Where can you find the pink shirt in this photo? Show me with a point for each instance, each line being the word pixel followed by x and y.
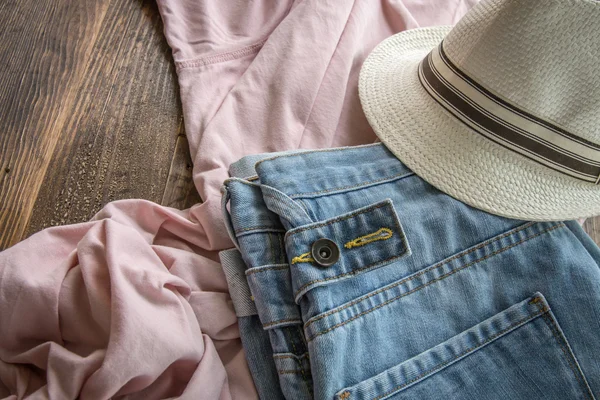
pixel 134 301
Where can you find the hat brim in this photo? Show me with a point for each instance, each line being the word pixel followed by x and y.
pixel 450 155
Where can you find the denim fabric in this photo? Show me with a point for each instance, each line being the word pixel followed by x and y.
pixel 255 340
pixel 430 299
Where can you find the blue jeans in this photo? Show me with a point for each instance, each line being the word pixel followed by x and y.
pixel 413 294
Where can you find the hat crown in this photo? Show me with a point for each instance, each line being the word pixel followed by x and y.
pixel 542 56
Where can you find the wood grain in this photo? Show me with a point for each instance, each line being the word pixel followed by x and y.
pixel 180 191
pixel 121 133
pixel 89 113
pixel 43 51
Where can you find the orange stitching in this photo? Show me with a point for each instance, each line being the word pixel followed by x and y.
pixel 464 353
pixel 261 269
pixel 353 272
pixel 381 234
pixel 432 282
pixel 422 272
pixel 568 355
pixel 344 395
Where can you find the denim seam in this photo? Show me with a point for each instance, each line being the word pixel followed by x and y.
pixel 271 246
pixel 336 189
pixel 466 352
pixel 242 181
pixel 300 365
pixel 295 357
pixel 283 255
pixel 568 354
pixel 269 324
pixel 303 153
pixel 370 266
pixel 422 272
pixel 290 371
pixel 442 277
pixel 353 272
pixel 385 203
pixel 260 227
pixel 220 57
pixel 301 203
pixel 261 269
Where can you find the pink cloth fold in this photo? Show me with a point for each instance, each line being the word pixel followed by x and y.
pixel 134 303
pixel 129 303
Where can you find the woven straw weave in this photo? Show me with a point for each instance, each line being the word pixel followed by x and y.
pixel 542 55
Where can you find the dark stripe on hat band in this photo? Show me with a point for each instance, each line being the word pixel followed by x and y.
pixel 507 105
pixel 516 112
pixel 506 125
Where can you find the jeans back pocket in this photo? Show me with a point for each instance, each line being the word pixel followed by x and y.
pixel 519 353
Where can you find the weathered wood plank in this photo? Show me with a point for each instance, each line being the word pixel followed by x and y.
pixel 120 138
pixel 180 191
pixel 89 113
pixel 44 47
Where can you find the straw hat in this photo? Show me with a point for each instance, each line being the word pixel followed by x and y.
pixel 502 111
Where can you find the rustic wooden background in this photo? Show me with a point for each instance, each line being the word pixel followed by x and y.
pixel 89 113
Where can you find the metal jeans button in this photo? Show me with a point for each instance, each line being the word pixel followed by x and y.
pixel 325 252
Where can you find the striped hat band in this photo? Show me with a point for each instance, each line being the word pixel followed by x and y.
pixel 505 124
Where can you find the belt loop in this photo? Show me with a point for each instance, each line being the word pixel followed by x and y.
pixel 226 217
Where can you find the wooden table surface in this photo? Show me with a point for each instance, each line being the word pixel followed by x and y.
pixel 89 113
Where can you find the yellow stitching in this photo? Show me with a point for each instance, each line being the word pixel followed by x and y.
pixel 381 234
pixel 422 272
pixel 384 203
pixel 441 277
pixel 303 258
pixel 466 352
pixel 358 270
pixel 344 395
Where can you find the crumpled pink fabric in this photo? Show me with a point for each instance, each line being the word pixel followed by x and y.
pixel 134 302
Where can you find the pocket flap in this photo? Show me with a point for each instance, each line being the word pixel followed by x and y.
pixel 367 238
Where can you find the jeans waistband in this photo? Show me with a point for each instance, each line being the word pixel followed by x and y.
pixel 321 172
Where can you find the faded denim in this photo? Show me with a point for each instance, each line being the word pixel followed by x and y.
pixel 430 299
